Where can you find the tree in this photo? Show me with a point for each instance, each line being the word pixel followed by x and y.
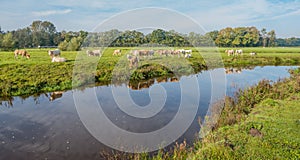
pixel 63 45
pixel 264 37
pixel 8 42
pixel 23 38
pixel 272 38
pixel 43 33
pixel 74 44
pixel 1 37
pixel 157 36
pixel 225 37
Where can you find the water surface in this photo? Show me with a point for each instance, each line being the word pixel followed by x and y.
pixel 48 126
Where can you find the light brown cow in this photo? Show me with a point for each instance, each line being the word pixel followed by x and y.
pixel 117 52
pixel 23 53
pixel 230 52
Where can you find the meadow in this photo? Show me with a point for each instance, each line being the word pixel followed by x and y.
pixel 23 76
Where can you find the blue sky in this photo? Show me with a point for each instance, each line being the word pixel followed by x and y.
pixel 281 15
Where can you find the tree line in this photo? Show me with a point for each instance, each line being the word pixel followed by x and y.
pixel 44 34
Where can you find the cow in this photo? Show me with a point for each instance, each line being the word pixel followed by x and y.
pixel 93 53
pixel 135 52
pixel 230 52
pixel 163 52
pixel 133 61
pixel 238 52
pixel 151 53
pixel 53 53
pixel 23 53
pixel 189 51
pixel 143 52
pixel 58 59
pixel 175 52
pixel 117 52
pixel 253 53
pixel 181 52
pixel 188 55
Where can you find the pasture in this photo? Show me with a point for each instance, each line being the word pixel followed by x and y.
pixel 23 76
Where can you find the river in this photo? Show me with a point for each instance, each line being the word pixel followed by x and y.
pixel 48 126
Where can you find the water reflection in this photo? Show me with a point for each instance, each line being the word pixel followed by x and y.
pixel 46 126
pixel 148 83
pixel 237 70
pixel 51 96
pixel 6 101
pixel 55 95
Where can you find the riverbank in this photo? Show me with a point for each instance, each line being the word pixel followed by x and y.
pixel 37 75
pixel 263 123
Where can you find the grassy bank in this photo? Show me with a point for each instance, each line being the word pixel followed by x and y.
pixel 262 123
pixel 28 76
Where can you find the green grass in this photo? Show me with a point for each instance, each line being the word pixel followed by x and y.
pixel 272 110
pixel 276 120
pixel 28 76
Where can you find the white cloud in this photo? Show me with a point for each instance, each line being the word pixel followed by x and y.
pixel 51 12
pixel 215 14
pixel 242 13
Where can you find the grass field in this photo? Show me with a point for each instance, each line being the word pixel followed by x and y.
pixel 29 76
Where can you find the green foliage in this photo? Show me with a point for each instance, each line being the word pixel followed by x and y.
pixel 7 42
pixel 74 44
pixel 44 34
pixel 238 37
pixel 63 45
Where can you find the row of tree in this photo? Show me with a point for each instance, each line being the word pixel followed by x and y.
pixel 44 34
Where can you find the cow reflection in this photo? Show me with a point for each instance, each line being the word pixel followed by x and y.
pixel 141 85
pixel 147 84
pixel 233 70
pixel 55 95
pixel 162 79
pixel 174 79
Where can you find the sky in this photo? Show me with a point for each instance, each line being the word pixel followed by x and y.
pixel 283 16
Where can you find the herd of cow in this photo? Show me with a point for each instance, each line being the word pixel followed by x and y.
pixel 54 54
pixel 238 52
pixel 133 55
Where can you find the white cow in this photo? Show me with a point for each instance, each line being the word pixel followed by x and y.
pixel 238 52
pixel 58 59
pixel 189 51
pixel 188 55
pixel 93 53
pixel 53 53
